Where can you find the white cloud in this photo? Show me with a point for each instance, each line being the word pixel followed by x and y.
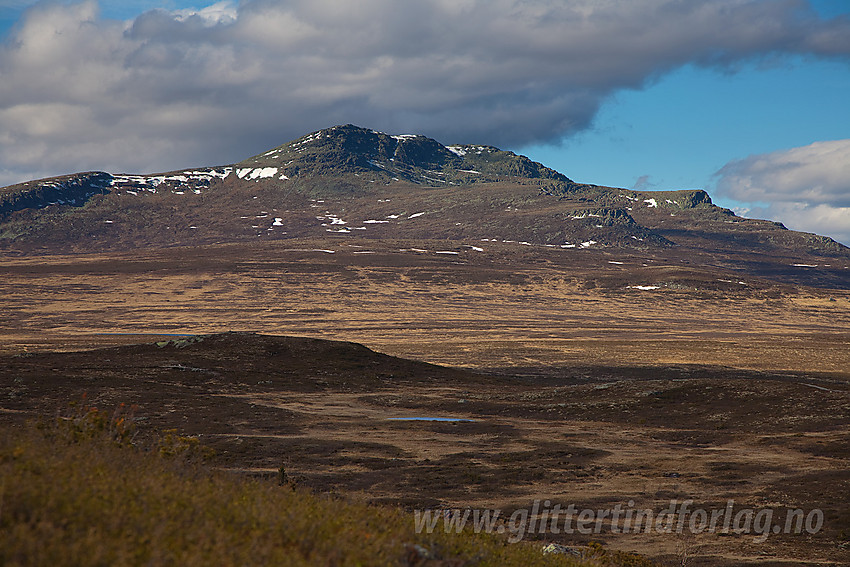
pixel 195 87
pixel 817 219
pixel 220 13
pixel 806 188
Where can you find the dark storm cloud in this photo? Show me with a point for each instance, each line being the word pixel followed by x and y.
pixel 173 89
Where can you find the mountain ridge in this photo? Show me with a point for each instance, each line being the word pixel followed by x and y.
pixel 346 181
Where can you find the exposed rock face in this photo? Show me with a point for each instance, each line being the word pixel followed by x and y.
pixel 351 149
pixel 74 190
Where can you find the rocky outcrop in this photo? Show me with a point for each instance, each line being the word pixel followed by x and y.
pixel 74 190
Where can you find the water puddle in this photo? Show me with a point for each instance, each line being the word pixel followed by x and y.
pixel 454 419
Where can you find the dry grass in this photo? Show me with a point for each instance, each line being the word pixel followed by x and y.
pixel 510 306
pixel 76 492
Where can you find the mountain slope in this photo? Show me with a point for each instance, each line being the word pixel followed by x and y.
pixel 346 181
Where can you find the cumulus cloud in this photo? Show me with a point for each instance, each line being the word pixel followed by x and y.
pixel 222 12
pixel 171 89
pixel 807 188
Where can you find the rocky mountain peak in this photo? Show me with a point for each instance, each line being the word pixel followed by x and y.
pixel 351 149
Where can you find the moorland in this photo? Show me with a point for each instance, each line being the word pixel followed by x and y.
pixel 591 353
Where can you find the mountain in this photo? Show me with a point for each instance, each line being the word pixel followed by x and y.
pixel 347 181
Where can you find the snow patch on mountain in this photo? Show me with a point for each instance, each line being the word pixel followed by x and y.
pixel 263 173
pixel 193 181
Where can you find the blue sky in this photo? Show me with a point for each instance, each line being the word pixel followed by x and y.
pixel 743 98
pixel 680 131
pixel 684 128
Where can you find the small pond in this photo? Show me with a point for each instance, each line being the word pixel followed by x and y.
pixel 457 419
